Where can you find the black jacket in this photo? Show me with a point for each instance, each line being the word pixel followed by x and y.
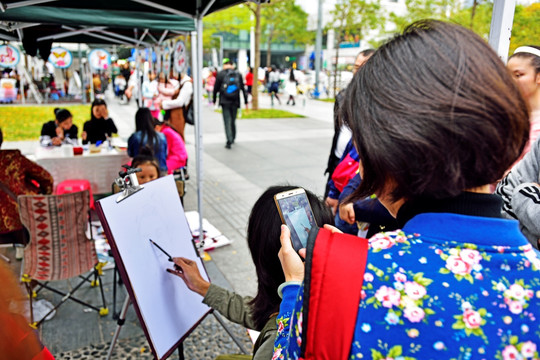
pixel 98 130
pixel 220 79
pixel 49 129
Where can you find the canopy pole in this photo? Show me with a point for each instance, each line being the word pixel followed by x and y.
pixel 196 69
pixel 500 31
pixel 81 70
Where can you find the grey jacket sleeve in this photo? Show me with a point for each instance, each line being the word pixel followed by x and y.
pixel 521 195
pixel 526 205
pixel 231 305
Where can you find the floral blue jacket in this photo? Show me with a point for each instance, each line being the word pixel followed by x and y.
pixel 446 286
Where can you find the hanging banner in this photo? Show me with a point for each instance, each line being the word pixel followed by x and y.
pixel 60 57
pixel 9 56
pixel 180 57
pixel 166 59
pixel 99 59
pixel 158 58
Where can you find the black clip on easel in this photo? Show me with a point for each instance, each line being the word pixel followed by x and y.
pixel 128 182
pixel 130 185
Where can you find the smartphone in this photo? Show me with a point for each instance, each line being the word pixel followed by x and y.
pixel 295 212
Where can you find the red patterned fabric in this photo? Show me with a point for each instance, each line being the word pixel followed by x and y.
pixel 58 248
pixel 22 177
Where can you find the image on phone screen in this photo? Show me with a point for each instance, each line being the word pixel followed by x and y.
pixel 297 215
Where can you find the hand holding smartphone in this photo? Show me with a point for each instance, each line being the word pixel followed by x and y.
pixel 295 212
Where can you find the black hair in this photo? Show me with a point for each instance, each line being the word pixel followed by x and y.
pixel 62 115
pixel 145 156
pixel 144 122
pixel 291 75
pixel 1 137
pixel 366 52
pixel 535 59
pixel 96 102
pixel 434 112
pixel 263 232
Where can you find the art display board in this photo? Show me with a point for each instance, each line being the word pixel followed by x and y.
pixel 180 56
pixel 99 59
pixel 9 56
pixel 60 57
pixel 167 309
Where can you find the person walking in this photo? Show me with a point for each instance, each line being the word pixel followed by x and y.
pixel 273 79
pixel 229 83
pixel 290 88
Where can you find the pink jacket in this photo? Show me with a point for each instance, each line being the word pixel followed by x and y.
pixel 167 90
pixel 176 149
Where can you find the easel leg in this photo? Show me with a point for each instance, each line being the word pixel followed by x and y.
pixel 236 341
pixel 121 320
pixel 181 351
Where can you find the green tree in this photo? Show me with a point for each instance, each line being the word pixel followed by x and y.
pixel 354 18
pixel 526 29
pixel 477 19
pixel 231 20
pixel 284 21
pixel 425 9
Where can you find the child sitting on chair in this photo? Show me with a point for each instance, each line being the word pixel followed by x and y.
pixel 148 165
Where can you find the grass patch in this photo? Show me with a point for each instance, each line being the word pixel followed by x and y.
pixel 267 114
pixel 330 100
pixel 25 122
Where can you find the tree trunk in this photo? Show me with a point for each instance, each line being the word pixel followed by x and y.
pixel 268 49
pixel 338 42
pixel 473 12
pixel 255 87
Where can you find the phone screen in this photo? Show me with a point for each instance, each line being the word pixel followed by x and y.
pixel 296 213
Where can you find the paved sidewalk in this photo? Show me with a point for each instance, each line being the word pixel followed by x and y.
pixel 266 152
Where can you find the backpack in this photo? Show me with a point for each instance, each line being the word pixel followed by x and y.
pixel 331 275
pixel 230 88
pixel 188 113
pixel 345 171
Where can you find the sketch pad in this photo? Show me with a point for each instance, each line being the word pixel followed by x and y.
pixel 166 308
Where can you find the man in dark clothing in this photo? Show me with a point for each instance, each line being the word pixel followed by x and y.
pixel 229 83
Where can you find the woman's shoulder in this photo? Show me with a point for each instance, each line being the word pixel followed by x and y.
pixel 49 124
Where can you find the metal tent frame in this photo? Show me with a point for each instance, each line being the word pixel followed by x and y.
pixel 499 39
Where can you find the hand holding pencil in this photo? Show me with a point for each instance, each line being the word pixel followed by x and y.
pixel 189 272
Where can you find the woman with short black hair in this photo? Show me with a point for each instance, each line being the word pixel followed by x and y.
pixel 436 118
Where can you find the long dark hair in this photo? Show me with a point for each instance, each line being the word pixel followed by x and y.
pixel 263 232
pixel 434 112
pixel 144 122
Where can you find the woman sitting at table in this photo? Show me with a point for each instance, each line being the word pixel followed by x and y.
pixel 146 136
pixel 100 126
pixel 59 131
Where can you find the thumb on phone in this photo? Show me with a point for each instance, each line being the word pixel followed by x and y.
pixel 292 265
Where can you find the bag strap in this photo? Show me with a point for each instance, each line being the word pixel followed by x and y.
pixel 8 191
pixel 333 281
